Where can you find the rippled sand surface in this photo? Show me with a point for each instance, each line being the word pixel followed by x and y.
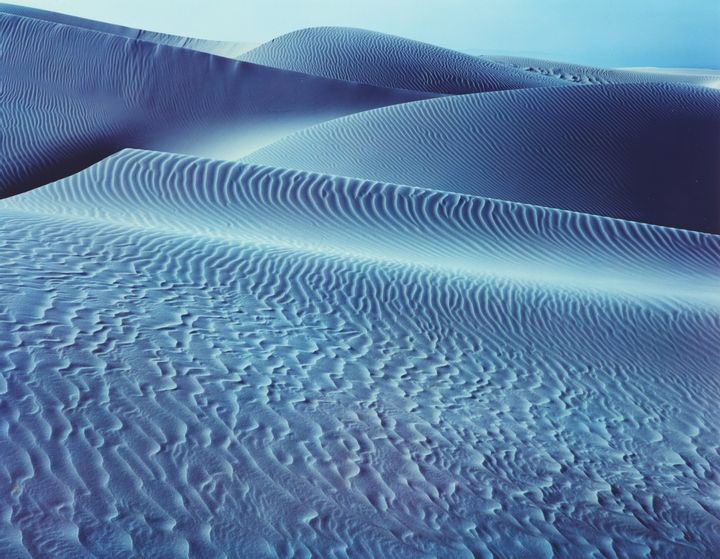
pixel 363 340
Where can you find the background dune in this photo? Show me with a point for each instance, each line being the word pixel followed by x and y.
pixel 580 74
pixel 66 109
pixel 384 60
pixel 645 152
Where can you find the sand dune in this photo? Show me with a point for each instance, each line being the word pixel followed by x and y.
pixel 384 334
pixel 209 389
pixel 398 224
pixel 580 74
pixel 645 152
pixel 385 60
pixel 228 49
pixel 75 96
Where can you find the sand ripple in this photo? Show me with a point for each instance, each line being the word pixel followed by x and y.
pixel 176 388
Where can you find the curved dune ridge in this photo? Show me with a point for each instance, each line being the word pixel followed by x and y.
pixel 73 96
pixel 357 218
pixel 204 358
pixel 644 152
pixel 369 57
pixel 580 74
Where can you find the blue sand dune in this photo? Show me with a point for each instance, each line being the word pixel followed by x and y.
pixel 228 49
pixel 385 60
pixel 204 358
pixel 73 96
pixel 383 332
pixel 580 74
pixel 397 224
pixel 645 152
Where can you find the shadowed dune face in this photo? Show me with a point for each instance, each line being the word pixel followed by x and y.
pixel 220 374
pixel 75 95
pixel 409 349
pixel 645 152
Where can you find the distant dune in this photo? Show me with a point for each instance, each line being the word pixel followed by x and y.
pixel 236 359
pixel 579 74
pixel 349 295
pixel 645 152
pixel 373 58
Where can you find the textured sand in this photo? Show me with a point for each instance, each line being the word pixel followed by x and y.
pixel 74 95
pixel 382 335
pixel 229 49
pixel 646 152
pixel 176 387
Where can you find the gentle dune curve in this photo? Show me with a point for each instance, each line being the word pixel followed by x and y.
pixel 384 60
pixel 643 152
pixel 478 318
pixel 203 358
pixel 73 96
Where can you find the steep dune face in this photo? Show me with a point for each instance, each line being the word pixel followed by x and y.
pixel 73 96
pixel 645 152
pixel 206 358
pixel 385 60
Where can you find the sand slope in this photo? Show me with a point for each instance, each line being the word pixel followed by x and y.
pixel 229 49
pixel 75 95
pixel 374 58
pixel 645 152
pixel 197 386
pixel 384 334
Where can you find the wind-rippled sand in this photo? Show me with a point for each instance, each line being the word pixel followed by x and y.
pixel 170 392
pixel 211 358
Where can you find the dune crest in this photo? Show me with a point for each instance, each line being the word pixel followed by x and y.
pixel 363 56
pixel 395 224
pixel 228 49
pixel 66 109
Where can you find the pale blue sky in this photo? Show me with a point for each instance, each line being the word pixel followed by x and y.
pixel 680 33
